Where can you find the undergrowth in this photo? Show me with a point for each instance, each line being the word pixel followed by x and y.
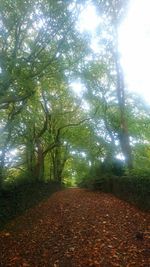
pixel 16 200
pixel 134 187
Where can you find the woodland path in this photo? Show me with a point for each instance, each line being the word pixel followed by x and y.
pixel 77 228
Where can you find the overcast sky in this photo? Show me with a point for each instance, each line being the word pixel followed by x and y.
pixel 134 44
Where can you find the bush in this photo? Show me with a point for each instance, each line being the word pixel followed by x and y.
pixel 114 167
pixel 15 200
pixel 134 189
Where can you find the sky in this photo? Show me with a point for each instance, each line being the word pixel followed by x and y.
pixel 134 43
pixel 135 47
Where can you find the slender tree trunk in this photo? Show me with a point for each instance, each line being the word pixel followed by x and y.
pixel 58 164
pixel 30 158
pixel 112 148
pixel 2 163
pixel 124 134
pixel 39 167
pixel 8 128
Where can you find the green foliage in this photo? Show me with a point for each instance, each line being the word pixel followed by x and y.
pixel 15 178
pixel 46 131
pixel 15 201
pixel 114 167
pixel 132 188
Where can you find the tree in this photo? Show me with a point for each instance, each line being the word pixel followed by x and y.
pixel 114 11
pixel 38 45
pixel 46 131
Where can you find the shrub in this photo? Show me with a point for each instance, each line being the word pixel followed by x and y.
pixel 132 188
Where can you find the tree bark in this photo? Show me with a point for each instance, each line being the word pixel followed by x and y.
pixel 39 167
pixel 124 134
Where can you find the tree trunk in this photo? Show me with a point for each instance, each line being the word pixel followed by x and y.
pixel 30 158
pixel 2 164
pixel 3 149
pixel 39 167
pixel 124 134
pixel 58 164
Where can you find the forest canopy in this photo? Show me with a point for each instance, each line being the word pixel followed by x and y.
pixel 49 132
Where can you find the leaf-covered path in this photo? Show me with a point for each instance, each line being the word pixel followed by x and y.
pixel 76 228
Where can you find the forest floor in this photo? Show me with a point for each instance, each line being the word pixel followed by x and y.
pixel 77 228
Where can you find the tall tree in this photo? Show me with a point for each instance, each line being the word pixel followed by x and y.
pixel 112 13
pixel 38 46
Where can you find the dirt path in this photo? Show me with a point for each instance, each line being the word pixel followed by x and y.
pixel 76 228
